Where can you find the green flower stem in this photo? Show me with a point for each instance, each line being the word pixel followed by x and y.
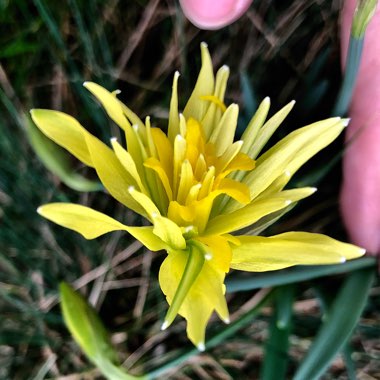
pixel 218 338
pixel 352 67
pixel 295 274
pixel 113 372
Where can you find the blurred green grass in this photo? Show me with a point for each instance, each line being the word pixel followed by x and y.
pixel 47 49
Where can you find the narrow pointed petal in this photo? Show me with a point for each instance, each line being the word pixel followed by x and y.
pixel 204 86
pixel 260 254
pixel 112 173
pixel 247 215
pixel 65 131
pixel 92 224
pixel 173 128
pixel 111 104
pixel 291 152
pixel 224 132
pixel 129 164
pixel 214 112
pixel 257 121
pixel 267 130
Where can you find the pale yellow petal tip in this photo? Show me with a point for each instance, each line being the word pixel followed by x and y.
pixel 201 347
pixel 113 140
pixel 225 68
pixel 227 320
pixel 165 325
pixel 362 251
pixel 266 100
pixel 40 210
pixel 346 121
pixel 313 189
pixel 343 259
pixel 288 202
pixel 87 84
pixel 204 45
pixel 208 256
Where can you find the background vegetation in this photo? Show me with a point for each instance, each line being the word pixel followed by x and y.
pixel 284 49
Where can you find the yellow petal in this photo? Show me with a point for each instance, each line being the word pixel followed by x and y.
pixel 65 131
pixel 258 254
pixel 195 107
pixel 111 104
pixel 247 215
pixel 255 124
pixel 154 164
pixel 173 128
pixel 206 294
pixel 164 228
pixel 214 111
pixel 91 223
pixel 275 161
pixel 224 132
pixel 236 190
pixel 112 173
pixel 128 163
pixel 164 150
pixel 267 130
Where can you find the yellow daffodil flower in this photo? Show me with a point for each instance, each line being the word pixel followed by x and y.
pixel 198 188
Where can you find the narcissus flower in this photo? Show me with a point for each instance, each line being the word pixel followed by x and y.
pixel 198 188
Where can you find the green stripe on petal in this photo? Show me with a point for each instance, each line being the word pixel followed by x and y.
pixel 260 254
pixel 205 295
pixel 92 224
pixel 194 264
pixel 65 131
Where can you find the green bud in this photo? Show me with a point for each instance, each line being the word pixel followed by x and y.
pixel 364 11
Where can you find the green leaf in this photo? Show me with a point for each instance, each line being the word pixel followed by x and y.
pixel 58 161
pixel 337 328
pixel 89 332
pixel 295 274
pixel 276 348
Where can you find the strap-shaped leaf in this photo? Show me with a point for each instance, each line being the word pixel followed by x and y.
pixel 337 329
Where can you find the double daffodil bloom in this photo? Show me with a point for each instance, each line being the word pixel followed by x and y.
pixel 198 188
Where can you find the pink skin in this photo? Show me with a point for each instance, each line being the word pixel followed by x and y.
pixel 360 195
pixel 214 14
